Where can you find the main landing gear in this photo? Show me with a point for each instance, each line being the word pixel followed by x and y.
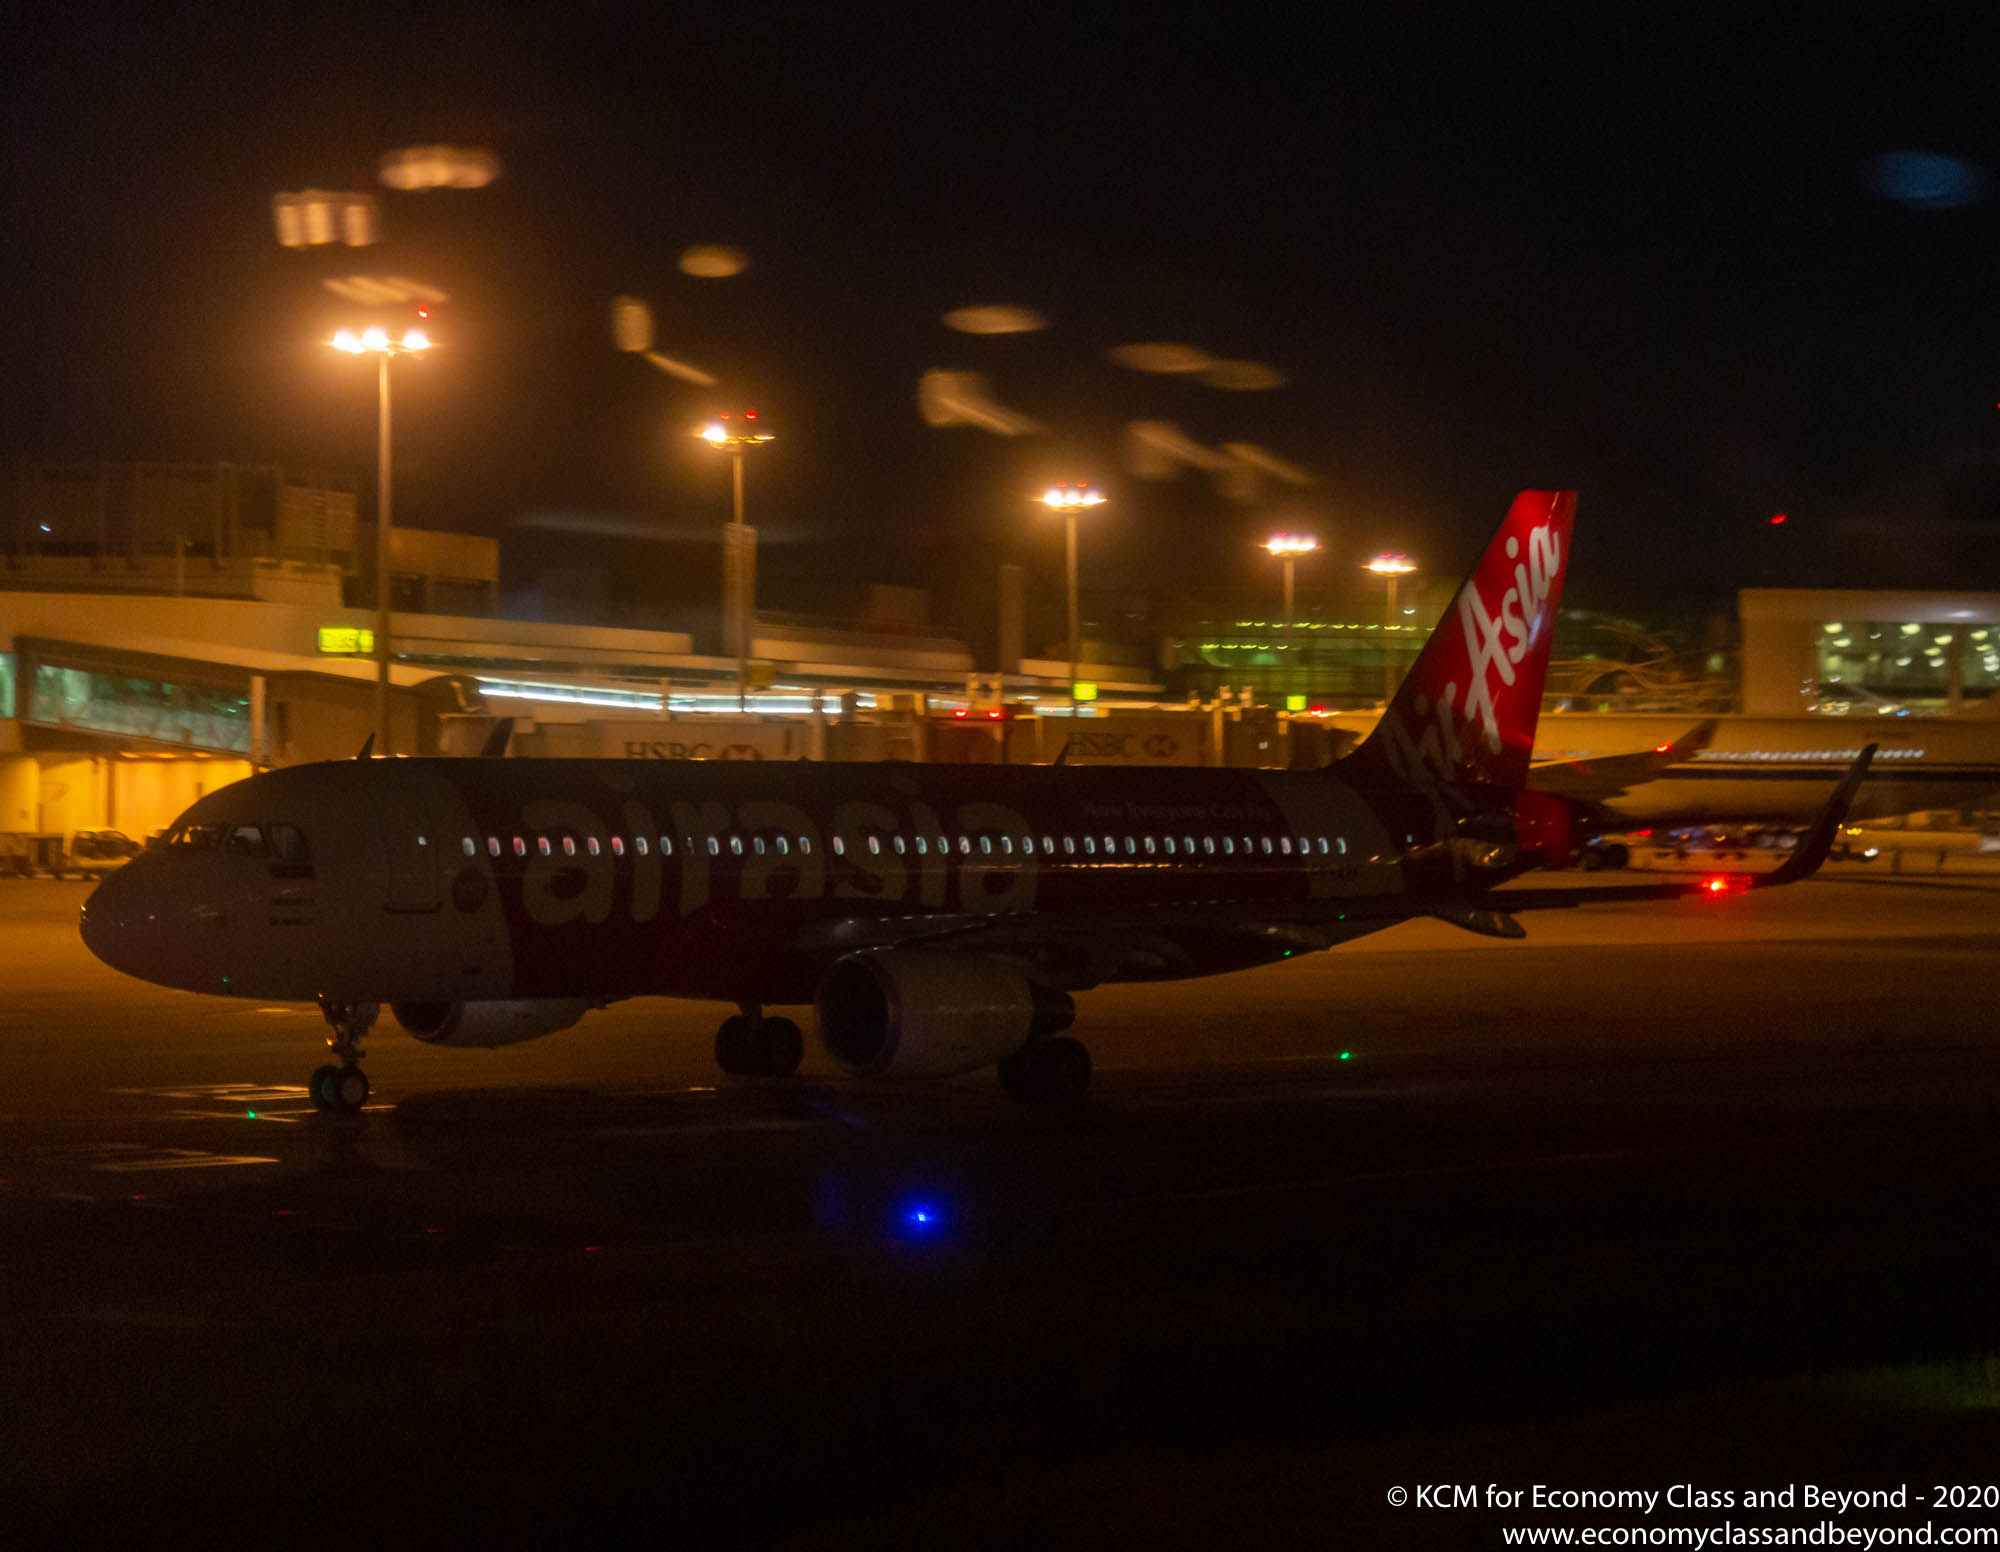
pixel 749 1044
pixel 1054 1071
pixel 344 1086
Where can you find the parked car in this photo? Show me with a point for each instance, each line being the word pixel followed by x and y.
pixel 93 853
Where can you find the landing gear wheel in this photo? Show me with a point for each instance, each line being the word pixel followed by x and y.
pixel 1053 1072
pixel 765 1047
pixel 344 1087
pixel 736 1045
pixel 348 1088
pixel 784 1047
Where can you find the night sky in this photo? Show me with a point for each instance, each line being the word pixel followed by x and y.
pixel 1647 251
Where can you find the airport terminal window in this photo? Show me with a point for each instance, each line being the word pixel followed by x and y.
pixel 197 715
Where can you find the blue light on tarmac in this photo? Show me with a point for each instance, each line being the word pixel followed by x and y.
pixel 922 1218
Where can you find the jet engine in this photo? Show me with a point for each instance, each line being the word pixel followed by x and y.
pixel 488 1023
pixel 929 1013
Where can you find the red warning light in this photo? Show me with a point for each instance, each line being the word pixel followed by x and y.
pixel 1777 519
pixel 994 715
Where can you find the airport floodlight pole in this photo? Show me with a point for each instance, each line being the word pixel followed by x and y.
pixel 411 342
pixel 1288 548
pixel 1068 500
pixel 738 434
pixel 1390 567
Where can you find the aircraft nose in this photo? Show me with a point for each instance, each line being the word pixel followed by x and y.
pixel 119 923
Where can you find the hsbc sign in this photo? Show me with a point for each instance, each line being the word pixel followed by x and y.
pixel 687 738
pixel 1128 741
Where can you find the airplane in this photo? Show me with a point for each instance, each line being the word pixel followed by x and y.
pixel 939 918
pixel 1761 770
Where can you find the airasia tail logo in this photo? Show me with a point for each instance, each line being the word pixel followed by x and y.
pixel 1431 744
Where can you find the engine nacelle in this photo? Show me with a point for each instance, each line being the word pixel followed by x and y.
pixel 488 1023
pixel 929 1013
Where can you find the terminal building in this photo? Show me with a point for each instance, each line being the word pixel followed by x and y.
pixel 166 629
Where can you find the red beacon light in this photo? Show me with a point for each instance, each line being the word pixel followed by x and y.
pixel 1725 884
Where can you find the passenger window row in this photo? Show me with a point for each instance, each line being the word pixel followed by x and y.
pixel 1092 847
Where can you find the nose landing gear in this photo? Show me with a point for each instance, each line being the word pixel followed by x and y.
pixel 749 1044
pixel 344 1086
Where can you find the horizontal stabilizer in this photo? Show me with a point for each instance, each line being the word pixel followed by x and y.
pixel 1487 923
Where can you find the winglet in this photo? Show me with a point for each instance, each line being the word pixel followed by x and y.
pixel 1818 841
pixel 496 739
pixel 367 748
pixel 1692 742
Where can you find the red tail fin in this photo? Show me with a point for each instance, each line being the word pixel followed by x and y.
pixel 1465 714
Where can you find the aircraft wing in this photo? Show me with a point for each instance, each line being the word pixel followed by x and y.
pixel 1601 778
pixel 1803 862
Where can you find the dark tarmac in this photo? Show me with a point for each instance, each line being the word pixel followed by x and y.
pixel 1662 1192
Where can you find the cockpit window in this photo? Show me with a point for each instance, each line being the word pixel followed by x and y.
pixel 197 837
pixel 244 841
pixel 288 843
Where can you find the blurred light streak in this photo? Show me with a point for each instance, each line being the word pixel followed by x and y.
pixel 947 398
pixel 682 370
pixel 631 324
pixel 1157 449
pixel 1243 376
pixel 385 290
pixel 1924 180
pixel 709 261
pixel 1250 456
pixel 314 218
pixel 999 318
pixel 439 167
pixel 1162 356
